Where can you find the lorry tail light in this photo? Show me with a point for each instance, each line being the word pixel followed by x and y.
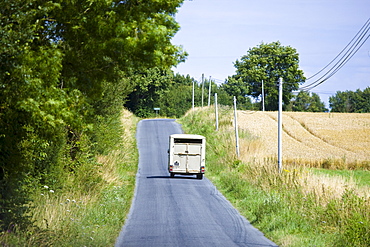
pixel 202 169
pixel 171 168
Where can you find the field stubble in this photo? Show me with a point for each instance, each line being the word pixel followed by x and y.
pixel 313 139
pixel 319 140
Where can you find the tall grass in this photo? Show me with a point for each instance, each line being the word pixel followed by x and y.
pixel 359 177
pixel 293 208
pixel 91 207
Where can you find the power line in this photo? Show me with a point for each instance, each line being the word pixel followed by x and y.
pixel 347 53
pixel 345 58
pixel 324 92
pixel 354 45
pixel 339 53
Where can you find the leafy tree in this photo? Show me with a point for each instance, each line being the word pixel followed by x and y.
pixel 157 88
pixel 339 102
pixel 177 100
pixel 102 38
pixel 350 101
pixel 236 87
pixel 267 63
pixel 316 104
pixel 365 104
pixel 33 110
pixel 150 85
pixel 171 93
pixel 239 89
pixel 65 68
pixel 308 103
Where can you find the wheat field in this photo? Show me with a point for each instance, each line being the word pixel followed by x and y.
pixel 309 138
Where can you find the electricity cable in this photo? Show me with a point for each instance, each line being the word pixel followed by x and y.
pixel 333 70
pixel 357 42
pixel 354 47
pixel 341 51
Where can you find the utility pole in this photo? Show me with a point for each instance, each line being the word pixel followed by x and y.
pixel 263 98
pixel 216 111
pixel 209 92
pixel 280 125
pixel 236 129
pixel 192 100
pixel 202 89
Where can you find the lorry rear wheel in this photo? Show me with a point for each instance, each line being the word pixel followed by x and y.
pixel 172 175
pixel 200 176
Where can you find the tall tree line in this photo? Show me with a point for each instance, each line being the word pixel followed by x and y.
pixel 351 101
pixel 66 67
pixel 263 64
pixel 172 93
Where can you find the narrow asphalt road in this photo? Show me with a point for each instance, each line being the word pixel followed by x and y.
pixel 180 211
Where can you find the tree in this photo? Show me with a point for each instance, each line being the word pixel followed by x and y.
pixel 100 39
pixel 350 101
pixel 150 86
pixel 177 100
pixel 316 105
pixel 171 93
pixel 308 103
pixel 62 63
pixel 267 62
pixel 365 106
pixel 32 108
pixel 239 89
pixel 226 99
pixel 157 88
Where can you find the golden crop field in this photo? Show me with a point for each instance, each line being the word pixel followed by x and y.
pixel 309 138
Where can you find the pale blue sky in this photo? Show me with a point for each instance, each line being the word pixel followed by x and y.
pixel 216 33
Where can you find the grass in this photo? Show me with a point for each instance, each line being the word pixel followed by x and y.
pixel 91 208
pixel 360 177
pixel 297 207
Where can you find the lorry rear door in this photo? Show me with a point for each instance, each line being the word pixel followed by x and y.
pixel 189 154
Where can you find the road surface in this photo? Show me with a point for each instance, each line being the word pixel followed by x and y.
pixel 179 211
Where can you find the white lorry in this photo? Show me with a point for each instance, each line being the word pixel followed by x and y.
pixel 186 155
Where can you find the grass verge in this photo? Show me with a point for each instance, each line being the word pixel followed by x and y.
pixel 360 177
pixel 293 208
pixel 91 207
